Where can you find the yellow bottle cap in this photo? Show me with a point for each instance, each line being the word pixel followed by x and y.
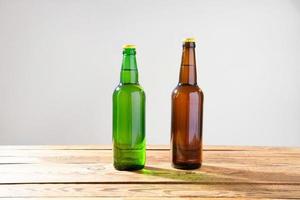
pixel 129 46
pixel 189 40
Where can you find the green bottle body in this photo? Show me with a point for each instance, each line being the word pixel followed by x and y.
pixel 129 145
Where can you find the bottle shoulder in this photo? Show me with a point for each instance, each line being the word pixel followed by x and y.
pixel 187 89
pixel 128 88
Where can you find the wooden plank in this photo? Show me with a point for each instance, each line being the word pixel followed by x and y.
pixel 161 172
pixel 70 147
pixel 54 147
pixel 136 198
pixel 151 190
pixel 96 156
pixel 80 172
pixel 258 165
pixel 97 173
pixel 152 147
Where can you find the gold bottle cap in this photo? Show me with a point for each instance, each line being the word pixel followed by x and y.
pixel 129 46
pixel 189 40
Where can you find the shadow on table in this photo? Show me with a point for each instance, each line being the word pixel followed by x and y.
pixel 229 182
pixel 215 174
pixel 180 175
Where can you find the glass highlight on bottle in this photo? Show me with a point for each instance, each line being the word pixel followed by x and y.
pixel 187 109
pixel 129 145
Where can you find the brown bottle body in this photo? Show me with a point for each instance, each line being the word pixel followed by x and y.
pixel 187 113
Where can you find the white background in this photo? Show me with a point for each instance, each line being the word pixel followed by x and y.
pixel 60 62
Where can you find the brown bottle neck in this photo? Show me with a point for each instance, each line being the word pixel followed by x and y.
pixel 188 72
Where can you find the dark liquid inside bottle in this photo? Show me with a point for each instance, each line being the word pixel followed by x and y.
pixel 187 109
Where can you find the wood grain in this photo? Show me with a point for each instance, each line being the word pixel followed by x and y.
pixel 151 190
pixel 135 198
pixel 81 171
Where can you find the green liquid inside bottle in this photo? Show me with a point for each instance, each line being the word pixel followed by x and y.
pixel 129 143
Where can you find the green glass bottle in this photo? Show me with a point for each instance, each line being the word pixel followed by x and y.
pixel 129 143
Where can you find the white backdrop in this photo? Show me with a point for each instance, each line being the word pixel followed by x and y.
pixel 60 62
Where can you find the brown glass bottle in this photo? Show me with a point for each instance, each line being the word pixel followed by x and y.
pixel 187 109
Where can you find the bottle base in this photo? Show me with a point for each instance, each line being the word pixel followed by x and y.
pixel 129 159
pixel 187 166
pixel 128 168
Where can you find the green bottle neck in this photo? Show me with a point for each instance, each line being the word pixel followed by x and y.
pixel 129 71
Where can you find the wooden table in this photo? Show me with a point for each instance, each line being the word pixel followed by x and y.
pixel 86 172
